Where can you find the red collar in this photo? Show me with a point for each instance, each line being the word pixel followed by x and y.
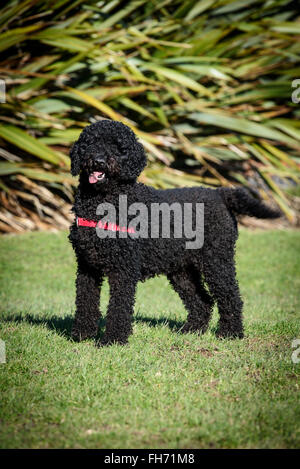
pixel 105 226
pixel 84 222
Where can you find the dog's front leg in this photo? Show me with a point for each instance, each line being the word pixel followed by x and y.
pixel 120 308
pixel 88 283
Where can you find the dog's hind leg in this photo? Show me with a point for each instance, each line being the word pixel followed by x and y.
pixel 224 288
pixel 88 283
pixel 189 286
pixel 120 309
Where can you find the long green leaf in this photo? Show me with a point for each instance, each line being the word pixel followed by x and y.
pixel 31 145
pixel 243 126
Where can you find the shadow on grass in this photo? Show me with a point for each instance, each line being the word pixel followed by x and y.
pixel 63 325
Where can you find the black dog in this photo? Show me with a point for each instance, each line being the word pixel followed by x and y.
pixel 109 159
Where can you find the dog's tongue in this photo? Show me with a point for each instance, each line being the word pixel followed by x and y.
pixel 93 177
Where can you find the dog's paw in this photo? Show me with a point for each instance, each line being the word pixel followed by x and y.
pixel 107 341
pixel 79 335
pixel 76 336
pixel 228 334
pixel 193 329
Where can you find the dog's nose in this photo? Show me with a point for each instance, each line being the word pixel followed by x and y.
pixel 100 159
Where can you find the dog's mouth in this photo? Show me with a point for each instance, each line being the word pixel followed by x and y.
pixel 96 176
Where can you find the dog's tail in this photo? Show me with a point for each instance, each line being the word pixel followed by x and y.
pixel 240 202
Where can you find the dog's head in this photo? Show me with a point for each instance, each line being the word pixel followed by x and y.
pixel 106 151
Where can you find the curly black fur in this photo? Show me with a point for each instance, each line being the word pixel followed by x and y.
pixel 200 277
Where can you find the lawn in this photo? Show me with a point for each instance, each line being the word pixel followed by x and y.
pixel 163 390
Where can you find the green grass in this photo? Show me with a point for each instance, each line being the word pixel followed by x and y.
pixel 164 390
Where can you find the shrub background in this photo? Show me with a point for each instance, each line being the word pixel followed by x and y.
pixel 205 84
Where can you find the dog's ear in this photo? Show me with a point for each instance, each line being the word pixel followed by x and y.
pixel 134 161
pixel 75 156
